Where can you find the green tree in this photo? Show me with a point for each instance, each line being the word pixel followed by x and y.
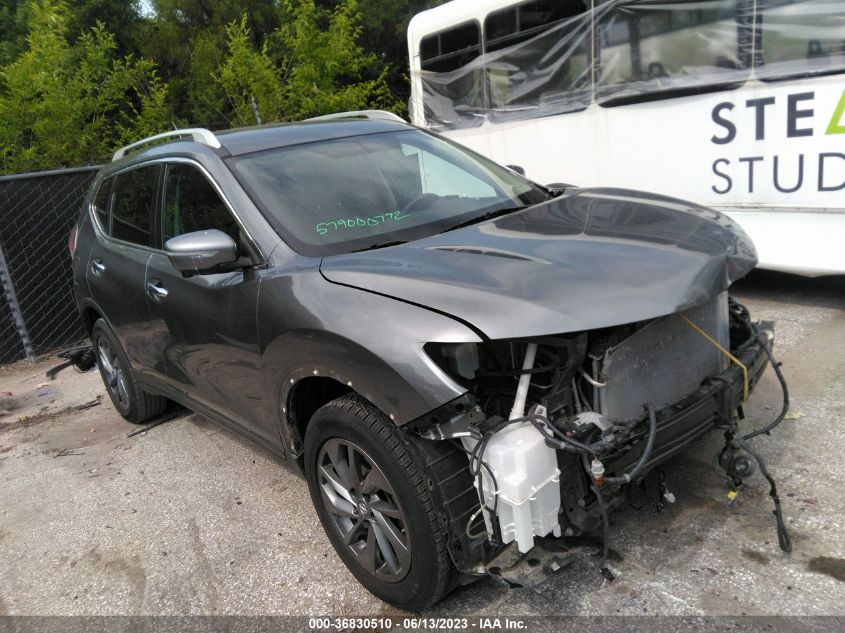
pixel 13 21
pixel 324 69
pixel 385 35
pixel 187 38
pixel 247 74
pixel 76 78
pixel 121 18
pixel 64 104
pixel 327 70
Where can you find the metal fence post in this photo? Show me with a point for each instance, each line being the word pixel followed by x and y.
pixel 14 307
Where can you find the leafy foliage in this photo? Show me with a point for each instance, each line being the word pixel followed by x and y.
pixel 385 36
pixel 187 38
pixel 323 71
pixel 121 18
pixel 79 79
pixel 12 29
pixel 64 104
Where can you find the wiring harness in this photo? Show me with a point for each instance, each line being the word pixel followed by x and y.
pixel 734 438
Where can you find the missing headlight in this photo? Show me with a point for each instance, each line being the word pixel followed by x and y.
pixel 459 360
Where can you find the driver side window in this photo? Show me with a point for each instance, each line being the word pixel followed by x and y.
pixel 192 204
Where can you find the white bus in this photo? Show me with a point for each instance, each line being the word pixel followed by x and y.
pixel 735 104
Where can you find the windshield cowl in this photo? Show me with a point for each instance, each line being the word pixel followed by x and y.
pixel 490 215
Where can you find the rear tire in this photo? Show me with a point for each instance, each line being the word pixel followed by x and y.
pixel 379 513
pixel 132 402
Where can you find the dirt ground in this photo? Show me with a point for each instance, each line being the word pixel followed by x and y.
pixel 189 518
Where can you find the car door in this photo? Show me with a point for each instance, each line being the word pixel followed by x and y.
pixel 206 323
pixel 124 209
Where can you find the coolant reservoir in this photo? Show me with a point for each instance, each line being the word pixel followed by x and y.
pixel 528 484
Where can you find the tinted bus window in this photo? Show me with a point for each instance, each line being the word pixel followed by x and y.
pixel 449 50
pixel 649 49
pixel 800 37
pixel 537 59
pixel 453 86
pixel 519 23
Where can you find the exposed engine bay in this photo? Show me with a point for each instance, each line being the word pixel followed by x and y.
pixel 559 430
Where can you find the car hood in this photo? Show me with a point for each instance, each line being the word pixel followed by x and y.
pixel 592 258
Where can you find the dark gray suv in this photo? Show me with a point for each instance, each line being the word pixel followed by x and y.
pixel 468 367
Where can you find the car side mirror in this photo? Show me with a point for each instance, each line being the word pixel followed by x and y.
pixel 558 188
pixel 201 252
pixel 517 169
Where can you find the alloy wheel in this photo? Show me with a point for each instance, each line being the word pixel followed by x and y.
pixel 113 375
pixel 365 509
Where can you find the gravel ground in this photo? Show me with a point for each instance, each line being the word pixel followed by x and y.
pixel 191 519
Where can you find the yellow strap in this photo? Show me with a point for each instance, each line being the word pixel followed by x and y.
pixel 733 358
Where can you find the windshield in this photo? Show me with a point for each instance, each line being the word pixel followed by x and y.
pixel 360 192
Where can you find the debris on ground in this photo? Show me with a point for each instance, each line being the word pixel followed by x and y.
pixel 8 402
pixel 91 403
pixel 164 417
pixel 80 358
pixel 794 415
pixel 67 452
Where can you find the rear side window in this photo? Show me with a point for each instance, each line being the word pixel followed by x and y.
pixel 132 208
pixel 101 204
pixel 192 204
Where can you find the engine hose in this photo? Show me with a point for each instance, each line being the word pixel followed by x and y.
pixel 570 446
pixel 783 535
pixel 631 474
pixel 776 366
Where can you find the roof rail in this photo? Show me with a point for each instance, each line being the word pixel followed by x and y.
pixel 197 134
pixel 379 115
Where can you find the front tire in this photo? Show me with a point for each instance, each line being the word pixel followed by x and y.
pixel 132 402
pixel 373 502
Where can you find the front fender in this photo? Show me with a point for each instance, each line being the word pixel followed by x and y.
pixel 373 344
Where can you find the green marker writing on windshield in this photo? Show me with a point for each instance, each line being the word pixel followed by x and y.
pixel 355 223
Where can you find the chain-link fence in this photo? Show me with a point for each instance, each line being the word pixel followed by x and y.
pixel 37 310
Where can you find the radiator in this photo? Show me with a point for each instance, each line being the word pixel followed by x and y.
pixel 664 361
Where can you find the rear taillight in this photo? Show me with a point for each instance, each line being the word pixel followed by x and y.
pixel 71 241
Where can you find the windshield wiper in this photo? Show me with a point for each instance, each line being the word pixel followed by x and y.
pixel 372 247
pixel 484 216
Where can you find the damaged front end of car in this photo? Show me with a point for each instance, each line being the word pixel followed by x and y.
pixel 560 430
pixel 606 343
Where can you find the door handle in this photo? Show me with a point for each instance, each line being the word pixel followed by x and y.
pixel 156 290
pixel 98 267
